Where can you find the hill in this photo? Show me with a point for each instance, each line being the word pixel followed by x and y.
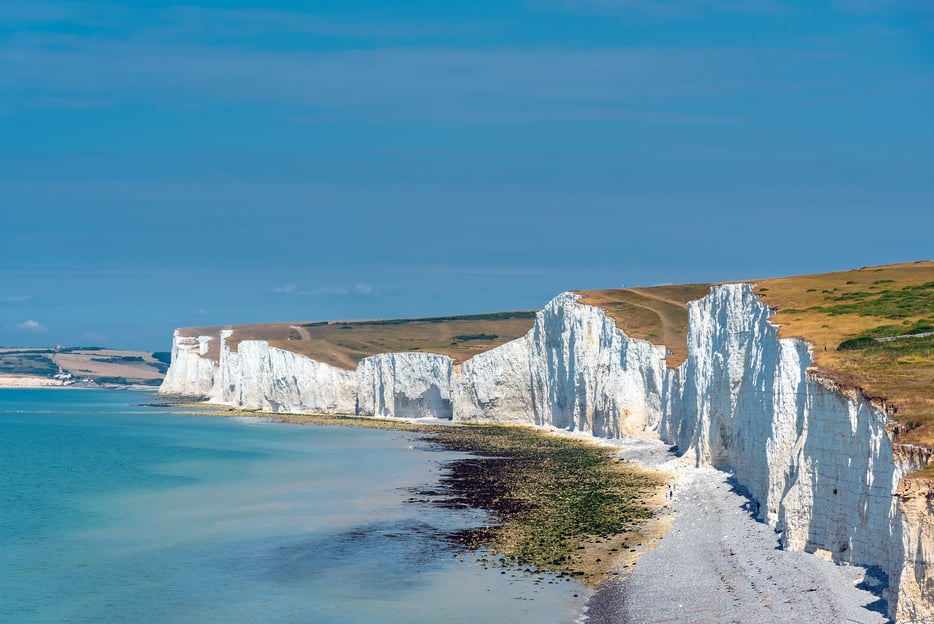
pixel 344 343
pixel 40 365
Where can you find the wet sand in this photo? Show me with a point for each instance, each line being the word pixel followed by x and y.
pixel 718 564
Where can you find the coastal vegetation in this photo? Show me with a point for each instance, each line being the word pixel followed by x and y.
pixel 163 356
pixel 27 363
pixel 867 326
pixel 561 504
pixel 104 366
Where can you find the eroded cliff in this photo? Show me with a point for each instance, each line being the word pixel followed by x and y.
pixel 191 373
pixel 818 458
pixel 257 376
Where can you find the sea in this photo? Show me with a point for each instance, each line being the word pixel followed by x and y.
pixel 113 509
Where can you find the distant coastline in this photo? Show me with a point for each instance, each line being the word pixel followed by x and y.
pixel 27 381
pixel 80 367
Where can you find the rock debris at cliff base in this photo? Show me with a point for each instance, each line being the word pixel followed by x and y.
pixel 718 564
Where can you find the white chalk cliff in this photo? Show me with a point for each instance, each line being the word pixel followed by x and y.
pixel 819 459
pixel 404 385
pixel 190 373
pixel 257 376
pixel 574 370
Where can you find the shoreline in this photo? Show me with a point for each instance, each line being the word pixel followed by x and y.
pixel 571 537
pixel 702 556
pixel 26 382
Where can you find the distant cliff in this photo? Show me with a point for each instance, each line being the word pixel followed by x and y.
pixel 819 458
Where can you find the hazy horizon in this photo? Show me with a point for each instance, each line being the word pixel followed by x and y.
pixel 221 162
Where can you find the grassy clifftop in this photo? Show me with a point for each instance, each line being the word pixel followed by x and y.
pixel 344 343
pixel 658 314
pixel 872 328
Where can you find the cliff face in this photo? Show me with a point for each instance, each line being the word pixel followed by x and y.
pixel 916 589
pixel 190 373
pixel 817 458
pixel 404 385
pixel 573 370
pixel 258 376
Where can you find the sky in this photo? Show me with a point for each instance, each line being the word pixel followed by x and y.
pixel 213 162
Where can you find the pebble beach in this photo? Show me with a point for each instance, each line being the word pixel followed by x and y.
pixel 717 563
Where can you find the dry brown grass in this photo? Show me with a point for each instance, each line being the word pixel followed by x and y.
pixel 657 314
pixel 903 378
pixel 132 366
pixel 86 364
pixel 344 344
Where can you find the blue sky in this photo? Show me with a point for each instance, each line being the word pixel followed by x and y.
pixel 200 163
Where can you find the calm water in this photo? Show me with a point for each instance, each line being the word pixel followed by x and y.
pixel 113 512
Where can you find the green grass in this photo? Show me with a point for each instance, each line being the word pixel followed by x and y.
pixel 27 363
pixel 897 349
pixel 904 332
pixel 118 359
pixel 345 343
pixel 493 316
pixel 465 337
pixel 906 302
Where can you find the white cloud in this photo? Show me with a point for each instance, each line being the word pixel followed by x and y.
pixel 31 325
pixel 669 9
pixel 94 337
pixel 328 291
pixel 15 299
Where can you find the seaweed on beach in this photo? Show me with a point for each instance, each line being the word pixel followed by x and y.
pixel 559 504
pixel 552 497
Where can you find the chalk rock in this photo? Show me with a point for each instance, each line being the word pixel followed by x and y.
pixel 190 372
pixel 817 457
pixel 574 370
pixel 404 385
pixel 916 589
pixel 258 376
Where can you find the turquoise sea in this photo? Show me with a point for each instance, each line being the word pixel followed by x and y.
pixel 111 511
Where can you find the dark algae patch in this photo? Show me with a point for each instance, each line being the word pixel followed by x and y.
pixel 558 504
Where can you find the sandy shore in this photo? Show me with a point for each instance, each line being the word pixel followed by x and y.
pixel 29 382
pixel 717 564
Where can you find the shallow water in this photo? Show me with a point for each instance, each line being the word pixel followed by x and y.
pixel 115 512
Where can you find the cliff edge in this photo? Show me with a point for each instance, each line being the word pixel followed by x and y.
pixel 819 458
